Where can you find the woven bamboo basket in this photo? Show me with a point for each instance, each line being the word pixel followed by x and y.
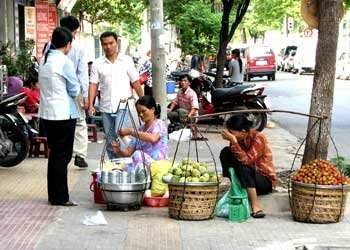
pixel 192 202
pixel 318 204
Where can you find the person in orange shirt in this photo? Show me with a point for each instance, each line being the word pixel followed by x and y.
pixel 251 158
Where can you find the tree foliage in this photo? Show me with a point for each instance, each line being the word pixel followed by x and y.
pixel 18 64
pixel 198 26
pixel 124 13
pixel 265 15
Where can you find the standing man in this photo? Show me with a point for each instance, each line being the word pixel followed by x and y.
pixel 76 55
pixel 114 72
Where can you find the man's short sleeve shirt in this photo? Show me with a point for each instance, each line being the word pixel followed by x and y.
pixel 114 80
pixel 187 100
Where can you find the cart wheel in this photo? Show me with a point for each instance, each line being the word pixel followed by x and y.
pixel 137 207
pixel 125 209
pixel 109 207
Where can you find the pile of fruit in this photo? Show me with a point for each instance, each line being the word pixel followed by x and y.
pixel 321 172
pixel 191 171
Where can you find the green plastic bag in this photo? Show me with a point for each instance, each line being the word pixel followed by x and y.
pixel 234 204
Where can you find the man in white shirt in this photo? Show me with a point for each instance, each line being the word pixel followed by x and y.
pixel 114 73
pixel 76 55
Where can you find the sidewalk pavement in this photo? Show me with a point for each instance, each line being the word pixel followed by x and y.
pixel 28 222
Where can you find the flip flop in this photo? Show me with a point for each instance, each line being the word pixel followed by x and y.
pixel 258 214
pixel 65 204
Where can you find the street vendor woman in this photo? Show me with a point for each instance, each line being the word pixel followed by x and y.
pixel 251 158
pixel 150 141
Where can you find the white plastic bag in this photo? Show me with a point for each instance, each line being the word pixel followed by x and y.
pixel 186 135
pixel 91 220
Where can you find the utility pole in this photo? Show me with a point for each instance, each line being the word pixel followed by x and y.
pixel 158 55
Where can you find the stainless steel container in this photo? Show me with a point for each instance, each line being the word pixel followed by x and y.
pixel 125 177
pixel 104 176
pixel 132 177
pixel 124 194
pixel 118 177
pixel 112 177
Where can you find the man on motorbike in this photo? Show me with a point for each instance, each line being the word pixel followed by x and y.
pixel 185 105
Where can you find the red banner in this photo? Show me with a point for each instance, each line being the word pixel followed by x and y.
pixel 52 18
pixel 42 25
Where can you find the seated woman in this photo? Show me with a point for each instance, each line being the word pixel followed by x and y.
pixel 31 89
pixel 150 142
pixel 251 158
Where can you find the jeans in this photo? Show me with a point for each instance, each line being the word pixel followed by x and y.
pixel 111 132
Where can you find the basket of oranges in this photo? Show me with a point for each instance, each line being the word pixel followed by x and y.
pixel 318 193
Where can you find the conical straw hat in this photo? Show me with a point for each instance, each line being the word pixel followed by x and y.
pixel 309 12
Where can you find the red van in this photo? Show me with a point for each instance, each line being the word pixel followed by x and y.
pixel 260 61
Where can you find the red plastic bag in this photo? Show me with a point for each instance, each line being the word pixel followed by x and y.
pixel 143 77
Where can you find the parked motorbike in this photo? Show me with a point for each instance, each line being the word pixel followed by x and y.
pixel 15 131
pixel 230 98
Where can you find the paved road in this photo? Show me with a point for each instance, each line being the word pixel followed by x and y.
pixel 293 92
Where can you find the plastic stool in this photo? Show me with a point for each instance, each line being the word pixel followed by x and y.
pixel 98 121
pixel 92 132
pixel 35 145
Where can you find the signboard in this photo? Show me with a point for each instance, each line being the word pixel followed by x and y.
pixel 308 32
pixel 52 18
pixel 42 26
pixel 66 5
pixel 29 23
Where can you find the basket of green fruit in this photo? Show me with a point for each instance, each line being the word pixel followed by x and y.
pixel 193 191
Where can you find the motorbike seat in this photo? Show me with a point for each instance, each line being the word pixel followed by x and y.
pixel 225 94
pixel 177 74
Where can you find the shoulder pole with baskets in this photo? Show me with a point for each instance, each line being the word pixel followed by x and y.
pixel 122 193
pixel 316 203
pixel 310 202
pixel 193 201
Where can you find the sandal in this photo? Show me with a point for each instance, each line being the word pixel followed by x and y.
pixel 258 214
pixel 65 204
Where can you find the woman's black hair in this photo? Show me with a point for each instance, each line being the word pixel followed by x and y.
pixel 149 102
pixel 108 34
pixel 238 123
pixel 237 53
pixel 61 36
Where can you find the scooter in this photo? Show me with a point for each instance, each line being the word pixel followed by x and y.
pixel 230 98
pixel 15 132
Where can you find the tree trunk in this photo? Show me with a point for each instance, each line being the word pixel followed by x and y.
pixel 226 33
pixel 220 60
pixel 317 140
pixel 243 36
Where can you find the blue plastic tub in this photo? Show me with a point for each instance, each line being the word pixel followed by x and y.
pixel 170 87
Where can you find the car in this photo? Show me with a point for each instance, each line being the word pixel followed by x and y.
pixel 343 66
pixel 284 53
pixel 305 58
pixel 289 62
pixel 260 61
pixel 279 59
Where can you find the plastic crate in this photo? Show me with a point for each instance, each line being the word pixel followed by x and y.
pixel 157 201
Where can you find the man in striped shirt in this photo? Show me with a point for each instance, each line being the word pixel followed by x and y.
pixel 185 105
